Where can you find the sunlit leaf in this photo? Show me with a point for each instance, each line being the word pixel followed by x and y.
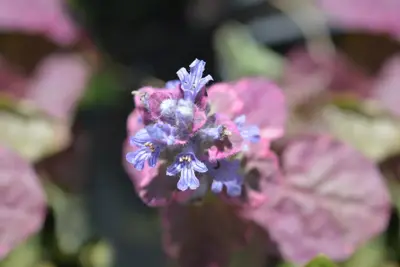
pixel 240 55
pixel 25 255
pixel 376 137
pixel 72 228
pixel 371 254
pixel 321 261
pixel 99 254
pixel 45 137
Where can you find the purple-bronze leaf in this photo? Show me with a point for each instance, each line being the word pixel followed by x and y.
pixel 204 235
pixel 307 76
pixel 224 99
pixel 22 201
pixel 387 86
pixel 365 15
pixel 328 194
pixel 12 82
pixel 261 101
pixel 264 106
pixel 47 17
pixel 58 84
pixel 227 146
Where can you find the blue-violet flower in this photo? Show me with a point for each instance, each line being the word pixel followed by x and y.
pixel 185 134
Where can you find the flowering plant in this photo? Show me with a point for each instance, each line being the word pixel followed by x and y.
pixel 186 140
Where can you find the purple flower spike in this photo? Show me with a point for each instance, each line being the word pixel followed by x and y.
pixel 183 123
pixel 186 164
pixel 193 82
pixel 225 172
pixel 248 132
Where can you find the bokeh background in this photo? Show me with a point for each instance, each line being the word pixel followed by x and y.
pixel 67 70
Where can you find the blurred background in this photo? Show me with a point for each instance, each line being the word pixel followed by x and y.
pixel 67 70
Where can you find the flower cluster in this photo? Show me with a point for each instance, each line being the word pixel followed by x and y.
pixel 198 144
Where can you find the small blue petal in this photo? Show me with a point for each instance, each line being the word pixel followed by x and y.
pixel 226 174
pixel 199 166
pixel 233 189
pixel 197 68
pixel 162 133
pixel 186 164
pixel 192 83
pixel 152 160
pixel 174 169
pixel 212 133
pixel 183 76
pixel 138 157
pixel 251 133
pixel 240 121
pixel 172 84
pixel 188 179
pixel 182 184
pixel 140 138
pixel 216 186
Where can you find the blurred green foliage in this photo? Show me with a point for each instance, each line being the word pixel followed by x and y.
pixel 103 90
pixel 321 261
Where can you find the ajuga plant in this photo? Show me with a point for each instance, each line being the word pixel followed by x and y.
pixel 202 154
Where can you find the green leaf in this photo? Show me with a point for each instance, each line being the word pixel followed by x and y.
pixel 321 261
pixel 72 229
pixel 99 254
pixel 46 135
pixel 376 137
pixel 25 255
pixel 371 254
pixel 102 90
pixel 240 55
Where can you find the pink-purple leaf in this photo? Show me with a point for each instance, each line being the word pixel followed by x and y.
pixel 229 146
pixel 22 201
pixel 367 15
pixel 55 87
pixel 306 77
pixel 387 86
pixel 12 82
pixel 58 84
pixel 261 101
pixel 47 17
pixel 328 194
